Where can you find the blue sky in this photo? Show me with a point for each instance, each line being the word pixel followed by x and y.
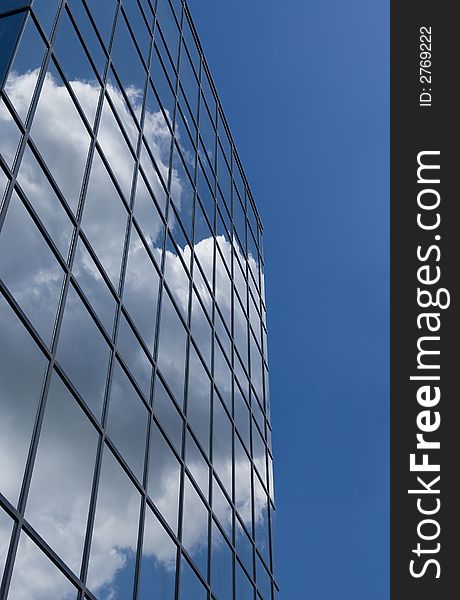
pixel 305 86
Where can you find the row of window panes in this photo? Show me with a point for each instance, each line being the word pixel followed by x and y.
pixel 116 428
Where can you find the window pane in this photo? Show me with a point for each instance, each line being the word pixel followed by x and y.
pixel 104 219
pixel 164 477
pixel 190 586
pixel 24 72
pixel 243 501
pixel 166 412
pixel 113 143
pixel 199 399
pixel 11 134
pixel 195 527
pixel 140 293
pixel 134 356
pixel 244 548
pixel 35 577
pixel 158 569
pixel 57 505
pixel 148 218
pixel 45 201
pixel 90 279
pixel 29 268
pixel 61 137
pixel 127 421
pixel 221 508
pixel 197 465
pixel 244 589
pixel 171 351
pixel 77 67
pixel 6 526
pixel 113 548
pixel 222 445
pixel 221 566
pixel 83 352
pixel 19 397
pixel 103 14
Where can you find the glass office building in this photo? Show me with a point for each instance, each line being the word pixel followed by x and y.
pixel 135 437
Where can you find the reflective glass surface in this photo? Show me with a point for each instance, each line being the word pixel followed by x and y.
pixel 135 436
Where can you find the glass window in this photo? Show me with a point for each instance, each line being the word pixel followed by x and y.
pixel 162 85
pixel 258 451
pixel 155 131
pixel 127 421
pixel 104 219
pixel 46 204
pixel 134 356
pixel 199 399
pixel 11 135
pixel 223 290
pixel 182 192
pixel 221 566
pixel 243 500
pixel 158 567
pixel 190 585
pixel 191 44
pixel 29 269
pixel 256 368
pixel 222 445
pixel 244 589
pixel 205 192
pixel 171 351
pixel 83 352
pixel 138 24
pixel 169 28
pixel 164 477
pixel 240 326
pixel 201 330
pixel 127 106
pixel 263 580
pixel 25 69
pixel 88 33
pixel 6 527
pixel 208 135
pixel 57 504
pixel 199 276
pixel 197 464
pixel 90 280
pixel 244 547
pixel 167 414
pixel 114 542
pixel 222 375
pixel 46 15
pixel 19 397
pixel 103 15
pixel 61 137
pixel 10 30
pixel 148 218
pixel 128 66
pixel 140 292
pixel 242 419
pixel 221 507
pixel 76 67
pixel 188 82
pixel 35 576
pixel 176 276
pixel 261 520
pixel 113 143
pixel 195 527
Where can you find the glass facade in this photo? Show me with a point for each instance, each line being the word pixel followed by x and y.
pixel 135 436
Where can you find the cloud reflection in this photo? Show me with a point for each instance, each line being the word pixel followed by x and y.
pixel 60 491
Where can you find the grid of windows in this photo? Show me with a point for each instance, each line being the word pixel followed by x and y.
pixel 135 435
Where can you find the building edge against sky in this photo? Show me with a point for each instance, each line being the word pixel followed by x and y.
pixel 135 435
